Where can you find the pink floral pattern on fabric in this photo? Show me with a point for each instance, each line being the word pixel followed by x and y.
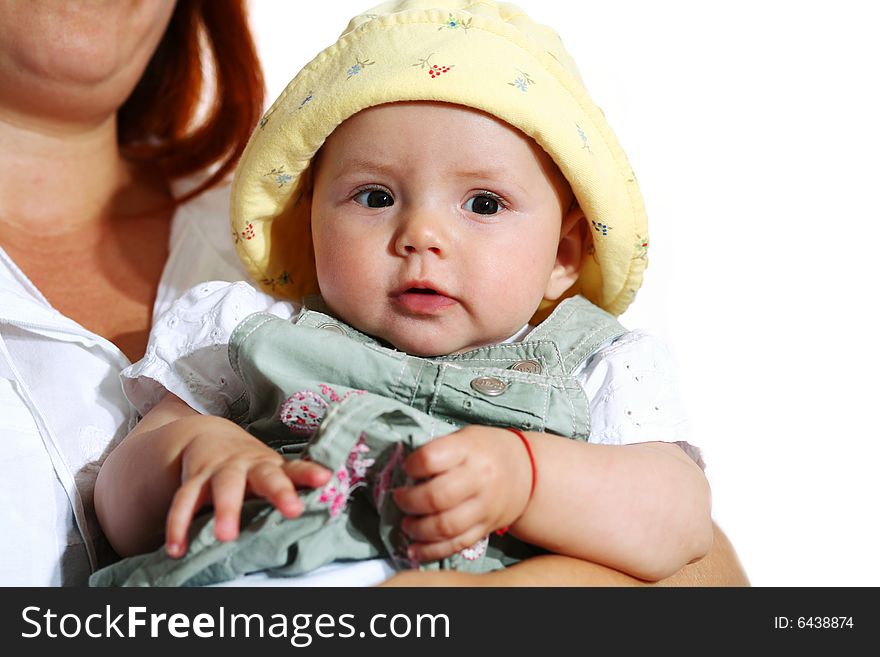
pixel 476 550
pixel 347 479
pixel 303 411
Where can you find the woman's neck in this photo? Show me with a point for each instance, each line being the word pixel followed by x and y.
pixel 57 179
pixel 89 229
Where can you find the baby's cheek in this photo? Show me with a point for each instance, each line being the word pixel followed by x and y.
pixel 342 274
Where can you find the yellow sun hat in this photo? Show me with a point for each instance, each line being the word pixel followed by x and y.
pixel 485 55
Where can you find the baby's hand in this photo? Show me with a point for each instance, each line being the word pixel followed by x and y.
pixel 222 464
pixel 477 480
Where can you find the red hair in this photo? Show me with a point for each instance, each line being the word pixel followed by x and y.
pixel 162 121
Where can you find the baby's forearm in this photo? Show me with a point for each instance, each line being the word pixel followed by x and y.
pixel 644 509
pixel 138 480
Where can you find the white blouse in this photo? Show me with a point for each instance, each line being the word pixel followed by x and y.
pixel 62 406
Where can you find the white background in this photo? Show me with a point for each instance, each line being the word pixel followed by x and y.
pixel 753 129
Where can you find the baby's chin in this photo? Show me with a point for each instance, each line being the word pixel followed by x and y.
pixel 424 348
pixel 428 339
pixel 431 346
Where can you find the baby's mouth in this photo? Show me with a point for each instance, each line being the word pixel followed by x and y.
pixel 423 300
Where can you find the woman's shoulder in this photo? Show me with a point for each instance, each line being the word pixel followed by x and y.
pixel 206 214
pixel 200 247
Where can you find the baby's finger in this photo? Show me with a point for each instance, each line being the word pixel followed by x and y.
pixel 188 498
pixel 423 552
pixel 439 455
pixel 438 494
pixel 438 527
pixel 268 480
pixel 227 490
pixel 306 474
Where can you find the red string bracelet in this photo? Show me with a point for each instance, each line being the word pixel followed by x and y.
pixel 525 441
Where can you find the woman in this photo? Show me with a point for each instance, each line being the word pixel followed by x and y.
pixel 111 204
pixel 97 114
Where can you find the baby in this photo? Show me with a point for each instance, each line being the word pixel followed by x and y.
pixel 457 227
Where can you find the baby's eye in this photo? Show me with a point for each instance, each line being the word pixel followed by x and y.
pixel 374 198
pixel 483 204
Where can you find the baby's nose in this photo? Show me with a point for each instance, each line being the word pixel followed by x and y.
pixel 421 233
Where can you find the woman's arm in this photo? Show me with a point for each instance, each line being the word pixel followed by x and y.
pixel 720 567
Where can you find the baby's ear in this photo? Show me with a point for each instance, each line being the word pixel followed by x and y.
pixel 574 244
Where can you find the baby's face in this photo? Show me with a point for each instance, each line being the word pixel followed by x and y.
pixel 435 227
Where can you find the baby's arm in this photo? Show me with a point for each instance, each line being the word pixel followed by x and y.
pixel 174 462
pixel 644 508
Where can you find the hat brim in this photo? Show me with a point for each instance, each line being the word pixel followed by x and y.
pixel 483 63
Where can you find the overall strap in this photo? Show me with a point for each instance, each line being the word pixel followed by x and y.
pixel 578 328
pixel 316 314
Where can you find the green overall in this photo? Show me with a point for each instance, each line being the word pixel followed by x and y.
pixel 321 390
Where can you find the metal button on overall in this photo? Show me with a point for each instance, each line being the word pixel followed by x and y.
pixel 489 386
pixel 330 326
pixel 528 366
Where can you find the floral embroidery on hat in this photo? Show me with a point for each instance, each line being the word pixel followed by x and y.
pixel 454 23
pixel 248 233
pixel 282 279
pixel 584 139
pixel 601 228
pixel 434 70
pixel 280 176
pixel 306 100
pixel 522 82
pixel 359 66
pixel 347 479
pixel 641 248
